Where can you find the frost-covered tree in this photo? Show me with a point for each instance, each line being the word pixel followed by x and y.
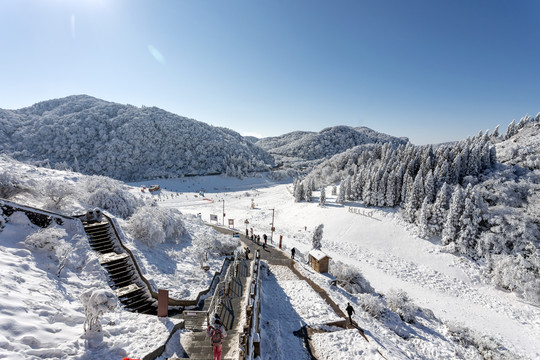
pixel 495 134
pixel 341 195
pixel 469 224
pixel 511 130
pixel 452 225
pixel 322 199
pixel 308 192
pixel 317 237
pixel 154 225
pixel 423 218
pixel 439 211
pixel 334 190
pixel 299 192
pixel 429 187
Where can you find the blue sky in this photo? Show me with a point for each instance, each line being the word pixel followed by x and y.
pixel 430 70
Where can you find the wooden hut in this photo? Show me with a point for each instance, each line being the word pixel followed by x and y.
pixel 319 261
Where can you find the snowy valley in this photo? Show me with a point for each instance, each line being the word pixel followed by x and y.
pixel 436 247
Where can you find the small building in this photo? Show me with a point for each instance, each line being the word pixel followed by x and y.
pixel 319 261
pixel 154 188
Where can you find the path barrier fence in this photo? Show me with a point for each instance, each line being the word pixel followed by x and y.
pixel 250 339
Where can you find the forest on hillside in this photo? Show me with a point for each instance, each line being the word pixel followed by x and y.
pixel 479 207
pixel 124 142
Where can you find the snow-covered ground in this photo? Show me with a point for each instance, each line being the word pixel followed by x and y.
pixel 42 317
pixel 389 254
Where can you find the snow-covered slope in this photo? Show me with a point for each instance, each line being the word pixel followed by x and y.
pixel 310 146
pixel 523 148
pixel 125 142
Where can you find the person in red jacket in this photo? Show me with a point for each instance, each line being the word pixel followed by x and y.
pixel 216 332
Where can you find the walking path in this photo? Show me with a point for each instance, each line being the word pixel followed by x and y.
pixel 275 256
pixel 197 344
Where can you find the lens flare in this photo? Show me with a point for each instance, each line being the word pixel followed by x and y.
pixel 156 54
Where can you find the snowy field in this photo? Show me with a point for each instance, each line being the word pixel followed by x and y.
pixel 388 253
pixel 42 317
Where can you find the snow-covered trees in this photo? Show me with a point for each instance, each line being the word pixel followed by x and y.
pixel 317 237
pixel 126 142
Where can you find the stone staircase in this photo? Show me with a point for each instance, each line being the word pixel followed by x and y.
pixel 197 344
pixel 123 277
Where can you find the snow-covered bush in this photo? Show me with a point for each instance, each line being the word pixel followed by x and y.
pixel 219 246
pixel 111 195
pixel 57 194
pixel 47 239
pixel 515 273
pixel 96 302
pixel 487 347
pixel 399 302
pixel 349 278
pixel 155 225
pixel 372 304
pixel 10 185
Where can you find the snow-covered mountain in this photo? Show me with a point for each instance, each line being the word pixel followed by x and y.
pixel 305 146
pixel 125 142
pixel 478 197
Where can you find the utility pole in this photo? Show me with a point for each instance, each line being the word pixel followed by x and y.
pixel 223 222
pixel 272 233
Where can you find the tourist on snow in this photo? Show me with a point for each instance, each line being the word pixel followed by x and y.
pixel 216 332
pixel 265 238
pixel 246 249
pixel 293 250
pixel 350 311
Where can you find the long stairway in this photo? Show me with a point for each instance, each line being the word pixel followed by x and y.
pixel 197 344
pixel 123 277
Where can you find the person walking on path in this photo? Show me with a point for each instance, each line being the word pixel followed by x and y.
pixel 350 311
pixel 216 332
pixel 293 250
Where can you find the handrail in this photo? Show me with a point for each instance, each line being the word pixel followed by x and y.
pixel 172 301
pixel 212 308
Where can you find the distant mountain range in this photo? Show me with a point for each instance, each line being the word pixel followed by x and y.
pixel 313 146
pixel 125 142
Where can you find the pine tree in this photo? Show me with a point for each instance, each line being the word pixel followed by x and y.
pixel 511 130
pixel 390 195
pixel 299 193
pixel 495 134
pixel 469 223
pixel 341 196
pixel 452 224
pixel 424 216
pixel 317 237
pixel 429 187
pixel 322 199
pixel 308 193
pixel 440 211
